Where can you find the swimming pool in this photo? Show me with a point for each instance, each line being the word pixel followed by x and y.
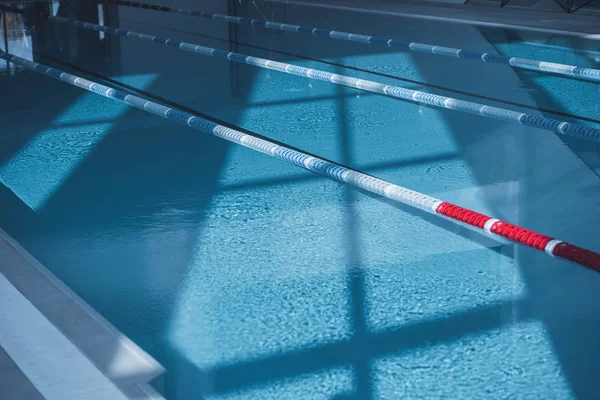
pixel 249 278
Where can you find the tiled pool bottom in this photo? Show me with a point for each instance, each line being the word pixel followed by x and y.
pixel 252 279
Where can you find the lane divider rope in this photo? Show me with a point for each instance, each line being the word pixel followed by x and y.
pixel 549 124
pixel 516 62
pixel 493 227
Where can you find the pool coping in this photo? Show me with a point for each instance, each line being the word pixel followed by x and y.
pixel 117 357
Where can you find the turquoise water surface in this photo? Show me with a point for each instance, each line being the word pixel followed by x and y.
pixel 249 278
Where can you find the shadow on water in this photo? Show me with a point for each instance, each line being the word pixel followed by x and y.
pixel 354 257
pixel 577 350
pixel 363 350
pixel 19 96
pixel 147 178
pixel 157 181
pixel 555 290
pixel 154 180
pixel 553 92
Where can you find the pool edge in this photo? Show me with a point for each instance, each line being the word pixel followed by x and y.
pixel 116 356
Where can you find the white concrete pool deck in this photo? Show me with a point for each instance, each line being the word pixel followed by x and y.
pixel 53 345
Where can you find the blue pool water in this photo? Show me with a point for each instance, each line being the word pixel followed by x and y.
pixel 249 278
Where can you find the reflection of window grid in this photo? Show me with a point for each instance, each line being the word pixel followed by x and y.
pixel 373 345
pixel 363 347
pixel 397 340
pixel 371 340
